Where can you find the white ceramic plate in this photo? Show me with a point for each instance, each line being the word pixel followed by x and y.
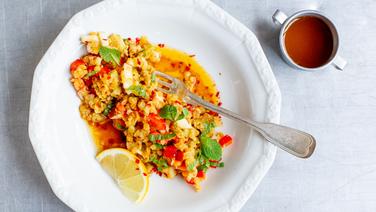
pixel 222 45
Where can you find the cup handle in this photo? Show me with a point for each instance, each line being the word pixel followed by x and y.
pixel 339 63
pixel 279 17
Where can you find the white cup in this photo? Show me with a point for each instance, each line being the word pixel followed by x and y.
pixel 283 20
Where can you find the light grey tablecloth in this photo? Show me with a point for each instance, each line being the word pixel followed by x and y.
pixel 339 108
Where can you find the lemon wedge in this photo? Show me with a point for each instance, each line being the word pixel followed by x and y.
pixel 128 172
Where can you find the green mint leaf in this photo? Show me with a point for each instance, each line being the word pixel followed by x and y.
pixel 203 168
pixel 208 126
pixel 119 126
pixel 92 73
pixel 110 55
pixel 153 77
pixel 158 145
pixel 161 163
pixel 168 112
pixel 137 90
pixel 158 137
pixel 217 164
pixel 191 166
pixel 184 114
pixel 211 148
pixel 108 108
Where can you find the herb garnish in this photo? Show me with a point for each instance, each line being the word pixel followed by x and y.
pixel 108 108
pixel 158 137
pixel 170 112
pixel 161 163
pixel 137 90
pixel 110 55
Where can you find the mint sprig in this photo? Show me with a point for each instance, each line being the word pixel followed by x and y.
pixel 161 163
pixel 110 55
pixel 137 90
pixel 208 127
pixel 211 148
pixel 158 137
pixel 184 114
pixel 170 112
pixel 108 108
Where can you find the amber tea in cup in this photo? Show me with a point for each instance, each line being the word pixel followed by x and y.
pixel 308 40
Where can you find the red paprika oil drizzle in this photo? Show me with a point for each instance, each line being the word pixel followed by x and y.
pixel 106 136
pixel 175 63
pixel 309 41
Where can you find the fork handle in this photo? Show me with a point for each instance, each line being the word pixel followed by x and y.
pixel 293 141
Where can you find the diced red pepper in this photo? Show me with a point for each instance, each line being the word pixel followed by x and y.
pixel 179 156
pixel 225 141
pixel 75 64
pixel 90 68
pixel 201 174
pixel 104 71
pixel 213 113
pixel 156 122
pixel 190 182
pixel 170 151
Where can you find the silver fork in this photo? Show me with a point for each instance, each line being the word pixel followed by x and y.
pixel 293 141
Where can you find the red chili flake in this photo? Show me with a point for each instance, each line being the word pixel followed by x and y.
pixel 137 161
pixel 189 65
pixel 220 104
pixel 173 65
pixel 217 94
pixel 145 174
pixel 161 45
pixel 187 68
pixel 137 169
pixel 129 38
pixel 214 167
pixel 138 62
pixel 137 40
pixel 190 182
pixel 192 55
